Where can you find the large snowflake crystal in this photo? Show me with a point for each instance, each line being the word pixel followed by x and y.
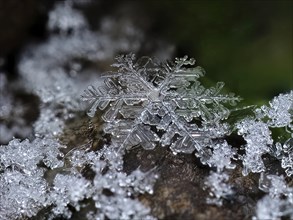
pixel 148 102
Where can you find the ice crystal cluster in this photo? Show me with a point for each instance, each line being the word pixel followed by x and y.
pixel 63 58
pixel 143 102
pixel 22 167
pixel 25 191
pixel 72 188
pixel 36 179
pixel 257 134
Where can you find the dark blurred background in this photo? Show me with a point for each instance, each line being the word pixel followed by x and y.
pixel 246 44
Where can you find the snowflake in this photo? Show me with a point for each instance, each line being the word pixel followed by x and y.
pixel 152 102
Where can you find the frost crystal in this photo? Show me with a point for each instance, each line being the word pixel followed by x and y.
pixel 268 208
pixel 146 98
pixel 221 156
pixel 287 157
pixel 68 189
pixel 122 187
pixel 274 185
pixel 25 191
pixel 48 124
pixel 21 194
pixel 256 132
pixel 25 155
pixel 216 181
pixel 280 111
pixel 257 136
pixel 22 186
pixel 108 177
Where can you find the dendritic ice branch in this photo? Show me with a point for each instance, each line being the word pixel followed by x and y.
pixel 148 102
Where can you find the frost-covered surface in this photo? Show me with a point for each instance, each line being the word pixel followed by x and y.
pixel 25 191
pixel 279 112
pixel 144 103
pixel 257 134
pixel 149 103
pixel 73 188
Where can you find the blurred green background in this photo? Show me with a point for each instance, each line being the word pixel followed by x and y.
pixel 246 44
